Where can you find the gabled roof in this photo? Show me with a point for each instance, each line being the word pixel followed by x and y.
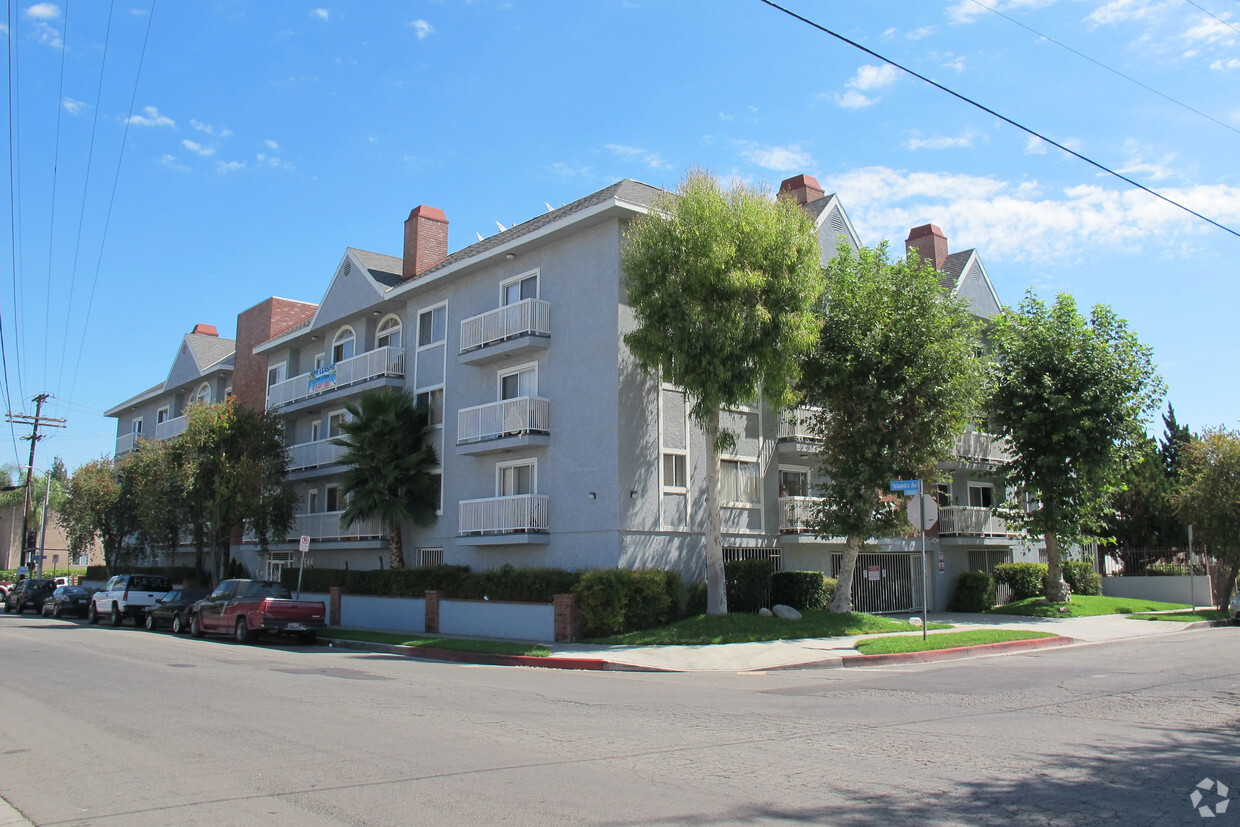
pixel 209 351
pixel 206 354
pixel 953 268
pixel 384 269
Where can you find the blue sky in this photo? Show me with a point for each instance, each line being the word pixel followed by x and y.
pixel 261 139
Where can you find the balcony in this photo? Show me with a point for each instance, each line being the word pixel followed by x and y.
pixel 511 330
pixel 314 455
pixel 975 447
pixel 794 514
pixel 795 435
pixel 971 521
pixel 519 520
pixel 169 428
pixel 125 442
pixel 327 526
pixel 500 426
pixel 381 363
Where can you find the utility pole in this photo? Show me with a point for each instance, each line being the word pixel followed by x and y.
pixel 34 421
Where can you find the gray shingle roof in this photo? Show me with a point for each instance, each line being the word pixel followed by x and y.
pixel 384 269
pixel 815 207
pixel 953 268
pixel 210 351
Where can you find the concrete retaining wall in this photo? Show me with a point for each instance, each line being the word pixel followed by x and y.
pixel 1169 589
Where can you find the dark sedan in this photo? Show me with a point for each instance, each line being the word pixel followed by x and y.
pixel 28 594
pixel 67 600
pixel 173 609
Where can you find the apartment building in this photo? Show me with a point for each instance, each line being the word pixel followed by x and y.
pixel 555 448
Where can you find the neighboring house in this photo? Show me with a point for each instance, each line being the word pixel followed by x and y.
pixel 54 544
pixel 555 448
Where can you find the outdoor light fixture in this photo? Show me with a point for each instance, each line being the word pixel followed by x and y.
pixel 593 495
pixel 633 494
pixel 510 256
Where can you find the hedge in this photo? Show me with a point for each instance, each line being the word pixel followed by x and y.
pixel 1081 577
pixel 615 601
pixel 175 574
pixel 1025 579
pixel 975 592
pixel 801 590
pixel 748 584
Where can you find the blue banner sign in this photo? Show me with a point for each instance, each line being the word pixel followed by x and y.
pixel 907 486
pixel 322 379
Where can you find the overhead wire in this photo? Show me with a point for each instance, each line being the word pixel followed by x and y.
pixel 1096 164
pixel 1102 65
pixel 112 198
pixel 1206 11
pixel 17 317
pixel 4 358
pixel 51 221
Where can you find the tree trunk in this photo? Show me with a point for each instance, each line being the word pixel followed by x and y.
pixel 396 548
pixel 716 582
pixel 841 603
pixel 1056 588
pixel 1230 570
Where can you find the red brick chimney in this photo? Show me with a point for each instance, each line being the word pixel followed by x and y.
pixel 804 188
pixel 205 330
pixel 426 241
pixel 929 242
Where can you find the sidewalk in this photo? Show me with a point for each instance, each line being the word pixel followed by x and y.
pixel 808 653
pixel 9 817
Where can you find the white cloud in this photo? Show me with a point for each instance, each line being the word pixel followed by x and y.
pixel 210 130
pixel 888 34
pixel 918 34
pixel 1035 146
pixel 1141 165
pixel 321 14
pixel 270 144
pixel 271 161
pixel 422 28
pixel 1226 65
pixel 966 11
pixel 1025 221
pixel 225 167
pixel 197 148
pixel 964 139
pixel 650 159
pixel 870 78
pixel 43 11
pixel 954 62
pixel 789 158
pixel 852 99
pixel 569 171
pixel 171 162
pixel 73 107
pixel 151 118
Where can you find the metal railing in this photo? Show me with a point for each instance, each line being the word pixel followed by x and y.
pixel 504 515
pixel 125 442
pixel 314 454
pixel 170 428
pixel 383 361
pixel 884 581
pixel 971 521
pixel 326 525
pixel 795 425
pixel 979 446
pixel 528 317
pixel 794 513
pixel 522 415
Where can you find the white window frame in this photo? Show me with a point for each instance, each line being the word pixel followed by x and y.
pixel 443 410
pixel 312 501
pixel 327 495
pixel 199 396
pixel 514 463
pixel 320 359
pixel 438 471
pixel 330 415
pixel 757 476
pixel 512 371
pixel 280 369
pixel 664 449
pixel 672 487
pixel 135 427
pixel 535 274
pixel 431 310
pixel 398 329
pixel 316 427
pixel 988 486
pixel 162 415
pixel 339 339
pixel 797 469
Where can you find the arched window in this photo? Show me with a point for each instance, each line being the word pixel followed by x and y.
pixel 203 394
pixel 388 334
pixel 343 344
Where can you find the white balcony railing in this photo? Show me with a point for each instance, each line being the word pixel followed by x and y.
pixel 795 425
pixel 314 454
pixel 125 442
pixel 794 513
pixel 523 415
pixel 970 521
pixel 504 515
pixel 530 317
pixel 169 428
pixel 983 447
pixel 327 526
pixel 383 361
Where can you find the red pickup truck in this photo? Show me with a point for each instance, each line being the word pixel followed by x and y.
pixel 247 608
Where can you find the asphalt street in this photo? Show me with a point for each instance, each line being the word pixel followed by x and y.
pixel 122 726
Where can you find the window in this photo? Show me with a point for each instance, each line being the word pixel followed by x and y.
pixel 161 416
pixel 521 381
pixel 334 421
pixel 739 483
pixel 515 479
pixel 437 481
pixel 343 345
pixel 943 493
pixel 675 472
pixel 334 503
pixel 981 495
pixel 388 334
pixel 793 482
pixel 320 359
pixel 432 326
pixel 276 374
pixel 203 394
pixel 520 288
pixel 314 431
pixel 433 399
pixel 137 427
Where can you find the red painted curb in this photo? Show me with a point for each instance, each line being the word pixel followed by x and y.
pixel 487 659
pixel 957 652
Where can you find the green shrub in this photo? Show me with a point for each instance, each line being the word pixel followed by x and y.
pixel 1081 577
pixel 175 574
pixel 695 600
pixel 615 601
pixel 829 585
pixel 748 584
pixel 1024 579
pixel 975 592
pixel 1167 569
pixel 801 590
pixel 533 585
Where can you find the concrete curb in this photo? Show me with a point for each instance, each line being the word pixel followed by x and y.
pixel 486 659
pixel 958 652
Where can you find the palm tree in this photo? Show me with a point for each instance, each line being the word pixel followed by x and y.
pixel 388 454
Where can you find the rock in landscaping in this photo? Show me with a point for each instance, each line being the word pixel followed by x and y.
pixel 915 621
pixel 764 612
pixel 785 612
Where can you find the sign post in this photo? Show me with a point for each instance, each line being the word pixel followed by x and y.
pixel 923 512
pixel 303 545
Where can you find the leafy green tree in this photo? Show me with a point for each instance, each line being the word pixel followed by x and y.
pixel 896 379
pixel 100 506
pixel 1210 500
pixel 158 492
pixel 389 458
pixel 1072 395
pixel 723 284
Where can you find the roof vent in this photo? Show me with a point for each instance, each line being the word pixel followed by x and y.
pixel 348 266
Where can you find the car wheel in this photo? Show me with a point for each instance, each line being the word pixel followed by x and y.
pixel 6 605
pixel 150 622
pixel 308 638
pixel 55 611
pixel 242 631
pixel 195 626
pixel 92 615
pixel 116 615
pixel 177 626
pixel 21 606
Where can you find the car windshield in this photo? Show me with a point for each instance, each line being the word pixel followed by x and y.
pixel 71 590
pixel 266 588
pixel 40 584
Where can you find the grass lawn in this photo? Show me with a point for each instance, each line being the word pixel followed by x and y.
pixel 1200 614
pixel 490 647
pixel 746 628
pixel 947 640
pixel 1083 605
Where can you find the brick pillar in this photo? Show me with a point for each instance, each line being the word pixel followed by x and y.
pixel 567 621
pixel 432 611
pixel 333 616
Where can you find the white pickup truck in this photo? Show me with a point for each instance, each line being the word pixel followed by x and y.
pixel 128 595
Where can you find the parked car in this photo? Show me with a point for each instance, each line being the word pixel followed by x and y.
pixel 28 594
pixel 67 600
pixel 128 595
pixel 247 608
pixel 173 609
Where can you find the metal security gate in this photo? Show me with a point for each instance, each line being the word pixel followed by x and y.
pixel 985 559
pixel 884 582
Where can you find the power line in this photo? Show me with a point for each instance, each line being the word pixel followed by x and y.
pixel 1003 118
pixel 51 228
pixel 1212 14
pixel 8 397
pixel 1102 65
pixel 15 224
